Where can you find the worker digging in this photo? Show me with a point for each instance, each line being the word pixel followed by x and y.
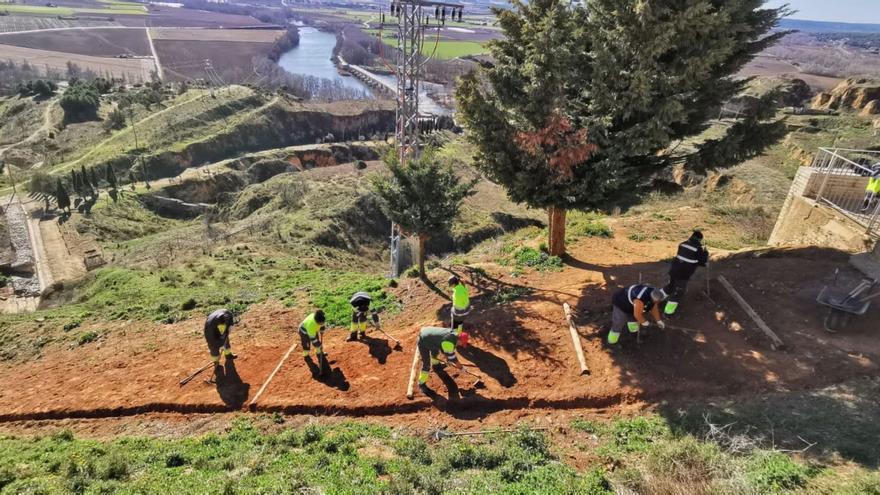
pixel 691 254
pixel 433 341
pixel 310 333
pixel 360 303
pixel 217 328
pixel 629 307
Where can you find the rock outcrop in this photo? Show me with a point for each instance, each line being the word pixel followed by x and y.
pixel 853 94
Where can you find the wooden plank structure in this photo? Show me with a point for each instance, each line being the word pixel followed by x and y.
pixel 775 341
pixel 576 339
pixel 253 403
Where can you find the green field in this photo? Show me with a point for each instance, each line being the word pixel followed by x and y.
pixel 112 7
pixel 445 49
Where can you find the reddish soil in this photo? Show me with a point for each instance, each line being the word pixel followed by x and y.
pixel 95 42
pixel 523 349
pixel 184 60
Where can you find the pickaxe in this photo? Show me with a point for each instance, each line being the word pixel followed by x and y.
pixel 379 328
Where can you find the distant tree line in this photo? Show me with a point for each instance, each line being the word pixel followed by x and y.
pixel 268 15
pixel 284 43
pixel 79 190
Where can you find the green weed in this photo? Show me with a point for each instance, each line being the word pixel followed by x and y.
pixel 539 260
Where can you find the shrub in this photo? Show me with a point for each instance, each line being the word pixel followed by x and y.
pixel 539 260
pixel 188 304
pixel 115 120
pixel 87 337
pixel 174 459
pixel 773 472
pixel 588 225
pixel 412 448
pixel 80 102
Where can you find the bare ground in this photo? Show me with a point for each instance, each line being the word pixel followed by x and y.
pixel 523 349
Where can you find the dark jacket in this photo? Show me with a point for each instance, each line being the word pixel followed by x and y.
pixel 690 255
pixel 214 319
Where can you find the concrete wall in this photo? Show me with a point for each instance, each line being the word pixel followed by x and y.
pixel 802 222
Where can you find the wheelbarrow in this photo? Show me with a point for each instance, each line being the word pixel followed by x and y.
pixel 842 304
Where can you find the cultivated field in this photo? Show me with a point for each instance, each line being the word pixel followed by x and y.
pixel 770 66
pixel 183 60
pixel 174 17
pixel 239 35
pixel 105 7
pixel 95 42
pixel 132 69
pixel 12 23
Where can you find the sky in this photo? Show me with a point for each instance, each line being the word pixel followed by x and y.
pixel 858 11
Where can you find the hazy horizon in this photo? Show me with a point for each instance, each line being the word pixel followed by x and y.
pixel 851 11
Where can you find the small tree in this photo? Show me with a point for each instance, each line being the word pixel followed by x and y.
pixel 423 197
pixel 61 196
pixel 115 120
pixel 110 176
pixel 80 102
pixel 640 77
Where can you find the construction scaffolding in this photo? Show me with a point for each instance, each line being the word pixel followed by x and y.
pixel 840 179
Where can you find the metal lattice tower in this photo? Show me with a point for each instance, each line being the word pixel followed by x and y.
pixel 414 19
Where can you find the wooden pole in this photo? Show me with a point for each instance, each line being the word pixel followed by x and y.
pixel 775 341
pixel 412 373
pixel 253 402
pixel 576 338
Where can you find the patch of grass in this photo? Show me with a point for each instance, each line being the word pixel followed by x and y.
pixel 533 258
pixel 325 459
pixel 581 224
pixel 641 237
pixel 774 472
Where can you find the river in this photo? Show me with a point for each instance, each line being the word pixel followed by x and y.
pixel 313 58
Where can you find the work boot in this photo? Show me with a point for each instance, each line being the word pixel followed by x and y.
pixel 353 336
pixel 426 389
pixel 438 366
pixel 363 334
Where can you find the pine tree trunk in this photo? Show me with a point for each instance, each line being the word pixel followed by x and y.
pixel 422 274
pixel 556 220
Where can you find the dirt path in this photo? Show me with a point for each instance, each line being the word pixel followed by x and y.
pixel 155 56
pixel 47 123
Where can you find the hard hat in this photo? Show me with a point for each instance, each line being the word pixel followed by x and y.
pixel 453 280
pixel 463 339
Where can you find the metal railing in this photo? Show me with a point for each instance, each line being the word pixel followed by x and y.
pixel 842 176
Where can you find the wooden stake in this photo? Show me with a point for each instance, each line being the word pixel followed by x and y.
pixel 412 373
pixel 775 341
pixel 576 338
pixel 253 402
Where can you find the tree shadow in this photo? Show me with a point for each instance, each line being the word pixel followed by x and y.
pixel 233 392
pixel 712 349
pixel 490 364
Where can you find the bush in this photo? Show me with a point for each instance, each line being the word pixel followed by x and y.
pixel 80 102
pixel 188 304
pixel 174 459
pixel 773 472
pixel 538 260
pixel 414 449
pixel 588 225
pixel 115 120
pixel 87 337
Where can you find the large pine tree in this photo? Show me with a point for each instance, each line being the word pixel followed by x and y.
pixel 582 102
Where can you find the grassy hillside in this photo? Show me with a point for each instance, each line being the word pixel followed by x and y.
pixel 648 454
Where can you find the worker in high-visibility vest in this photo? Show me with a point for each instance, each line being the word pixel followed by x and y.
pixel 461 302
pixel 217 328
pixel 629 307
pixel 432 341
pixel 872 191
pixel 360 304
pixel 310 331
pixel 691 254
